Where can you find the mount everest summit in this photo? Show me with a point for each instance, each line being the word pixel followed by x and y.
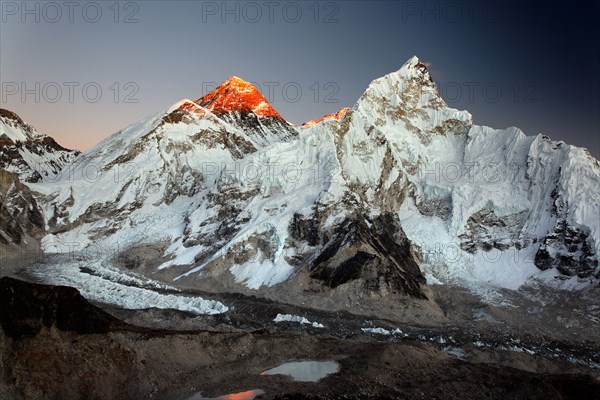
pixel 393 194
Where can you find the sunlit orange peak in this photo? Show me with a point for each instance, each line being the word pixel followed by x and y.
pixel 338 115
pixel 236 94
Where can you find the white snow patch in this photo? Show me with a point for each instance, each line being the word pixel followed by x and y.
pixel 382 331
pixel 296 318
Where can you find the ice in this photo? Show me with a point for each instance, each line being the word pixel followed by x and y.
pixel 305 371
pixel 112 287
pixel 298 319
pixel 382 331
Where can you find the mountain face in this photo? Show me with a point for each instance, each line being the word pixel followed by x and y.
pixel 25 156
pixel 380 199
pixel 240 103
pixel 29 154
pixel 20 215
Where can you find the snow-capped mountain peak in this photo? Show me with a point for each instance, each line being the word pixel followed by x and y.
pixel 13 128
pixel 185 104
pixel 408 100
pixel 333 116
pixel 240 103
pixel 414 63
pixel 410 83
pixel 29 154
pixel 237 95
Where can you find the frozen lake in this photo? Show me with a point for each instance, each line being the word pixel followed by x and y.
pixel 305 371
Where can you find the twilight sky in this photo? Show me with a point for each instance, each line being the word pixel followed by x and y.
pixel 530 64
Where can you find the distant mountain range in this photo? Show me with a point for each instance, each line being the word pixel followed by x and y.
pixel 379 199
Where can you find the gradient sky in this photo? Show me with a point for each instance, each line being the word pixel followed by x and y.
pixel 532 65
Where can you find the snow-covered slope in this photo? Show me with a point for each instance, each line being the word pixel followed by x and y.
pixel 31 155
pixel 374 200
pixel 478 202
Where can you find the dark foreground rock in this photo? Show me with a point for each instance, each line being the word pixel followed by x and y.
pixel 26 308
pixel 55 345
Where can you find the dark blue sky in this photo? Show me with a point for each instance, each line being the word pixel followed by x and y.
pixel 529 64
